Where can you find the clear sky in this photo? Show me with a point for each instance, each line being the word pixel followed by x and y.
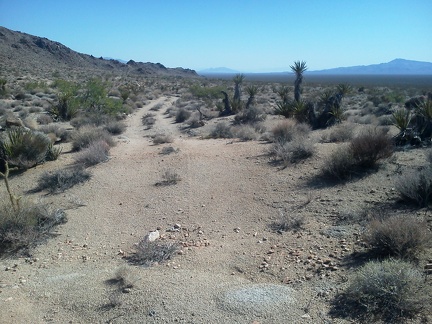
pixel 243 35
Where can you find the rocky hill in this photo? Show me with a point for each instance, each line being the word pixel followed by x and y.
pixel 20 52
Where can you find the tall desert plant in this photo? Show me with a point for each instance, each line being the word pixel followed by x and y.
pixel 298 68
pixel 238 80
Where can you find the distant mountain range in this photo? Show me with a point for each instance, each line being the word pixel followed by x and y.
pixel 395 67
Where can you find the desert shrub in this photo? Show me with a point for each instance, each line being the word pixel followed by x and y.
pixel 24 148
pixel 340 165
pixel 162 139
pixel 24 227
pixel 97 152
pixel 169 177
pixel 148 253
pixel 402 237
pixel 44 119
pixel 299 148
pixel 245 133
pixel 148 120
pixel 115 127
pixel 91 119
pixel 59 132
pixel 168 150
pixel 182 115
pixel 156 107
pixel 286 130
pixel 221 130
pixel 87 135
pixel 61 180
pixel 287 222
pixel 416 186
pixel 390 291
pixel 370 147
pixel 428 155
pixel 251 115
pixel 338 133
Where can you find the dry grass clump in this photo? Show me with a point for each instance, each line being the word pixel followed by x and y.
pixel 251 115
pixel 339 133
pixel 403 237
pixel 162 139
pixel 221 130
pixel 24 227
pixel 291 142
pixel 115 127
pixel 286 130
pixel 59 132
pixel 168 150
pixel 44 119
pixel 97 152
pixel 390 291
pixel 416 186
pixel 289 222
pixel 148 120
pixel 245 132
pixel 87 135
pixel 61 180
pixel 149 253
pixel 169 177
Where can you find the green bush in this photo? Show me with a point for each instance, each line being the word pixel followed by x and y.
pixel 24 148
pixel 389 291
pixel 402 237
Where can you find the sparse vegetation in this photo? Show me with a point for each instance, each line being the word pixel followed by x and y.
pixel 88 135
pixel 97 152
pixel 169 177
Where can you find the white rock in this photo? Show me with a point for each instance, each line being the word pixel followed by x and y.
pixel 152 236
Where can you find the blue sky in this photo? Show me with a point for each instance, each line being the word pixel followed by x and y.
pixel 243 35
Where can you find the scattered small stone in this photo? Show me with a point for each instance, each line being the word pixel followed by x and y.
pixel 126 290
pixel 152 236
pixel 306 316
pixel 237 229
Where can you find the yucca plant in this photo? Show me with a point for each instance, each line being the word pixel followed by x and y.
pixel 344 89
pixel 284 108
pixel 238 80
pixel 251 90
pixel 402 119
pixel 298 68
pixel 425 110
pixel 25 148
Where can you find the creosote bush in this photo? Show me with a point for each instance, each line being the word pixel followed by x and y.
pixel 162 139
pixel 286 130
pixel 390 291
pixel 403 237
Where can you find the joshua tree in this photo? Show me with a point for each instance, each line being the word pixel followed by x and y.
pixel 298 68
pixel 238 79
pixel 252 91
